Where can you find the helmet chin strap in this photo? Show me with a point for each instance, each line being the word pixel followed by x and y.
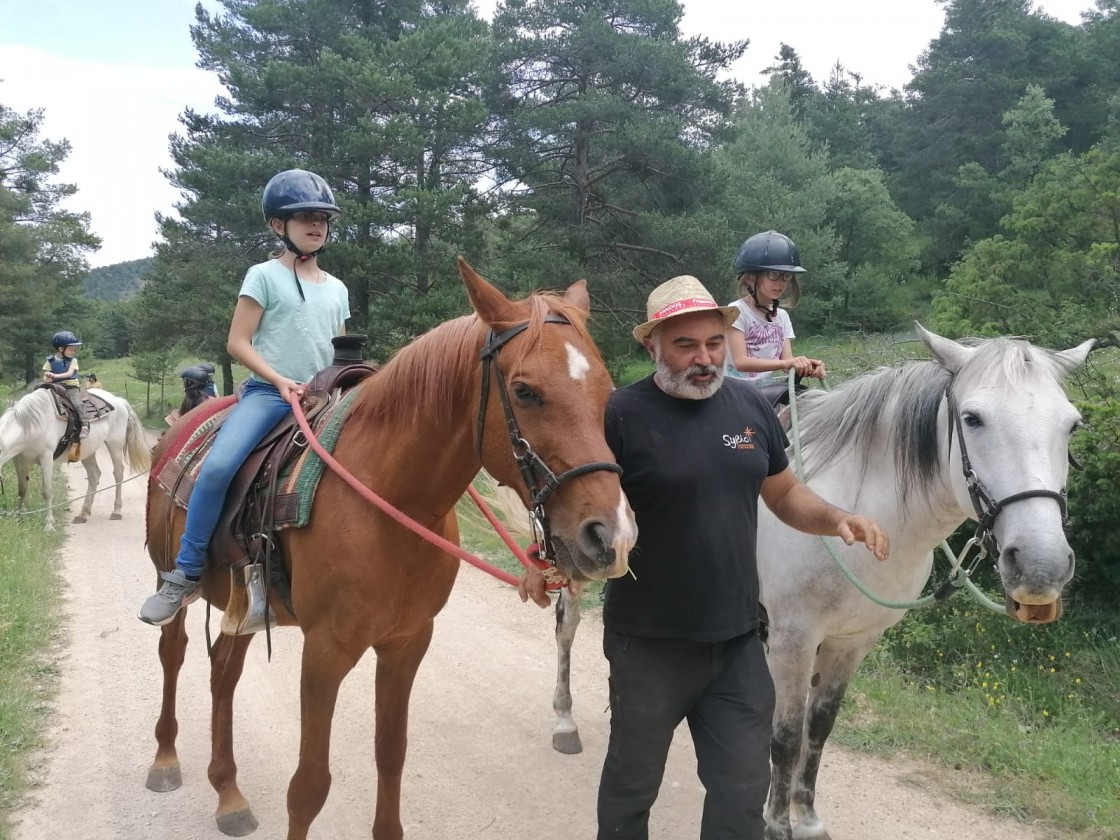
pixel 302 256
pixel 771 310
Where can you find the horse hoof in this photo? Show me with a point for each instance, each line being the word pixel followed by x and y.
pixel 115 516
pixel 237 823
pixel 567 743
pixel 164 779
pixel 79 520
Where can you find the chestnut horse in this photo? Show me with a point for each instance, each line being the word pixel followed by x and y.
pixel 416 435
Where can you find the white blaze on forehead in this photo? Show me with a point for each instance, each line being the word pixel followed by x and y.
pixel 578 365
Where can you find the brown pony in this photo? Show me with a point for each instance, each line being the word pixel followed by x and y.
pixel 417 434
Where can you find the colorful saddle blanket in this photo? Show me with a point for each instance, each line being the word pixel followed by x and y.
pixel 297 469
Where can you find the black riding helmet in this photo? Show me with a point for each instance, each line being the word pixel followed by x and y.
pixel 195 375
pixel 768 251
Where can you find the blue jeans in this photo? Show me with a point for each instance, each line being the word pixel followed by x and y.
pixel 259 409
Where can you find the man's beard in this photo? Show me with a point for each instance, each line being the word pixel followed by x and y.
pixel 679 384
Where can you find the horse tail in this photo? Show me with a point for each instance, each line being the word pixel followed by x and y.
pixel 136 448
pixel 505 501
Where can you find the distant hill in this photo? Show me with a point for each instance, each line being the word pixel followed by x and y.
pixel 119 281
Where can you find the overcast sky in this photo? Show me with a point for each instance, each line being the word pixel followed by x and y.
pixel 113 78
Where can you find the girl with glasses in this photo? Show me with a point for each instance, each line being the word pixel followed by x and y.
pixel 759 342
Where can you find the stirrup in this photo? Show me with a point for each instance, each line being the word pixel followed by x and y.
pixel 247 611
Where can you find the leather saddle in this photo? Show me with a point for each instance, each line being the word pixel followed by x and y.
pixel 246 528
pixel 93 409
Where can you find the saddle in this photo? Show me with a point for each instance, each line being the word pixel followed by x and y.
pixel 255 508
pixel 777 393
pixel 93 409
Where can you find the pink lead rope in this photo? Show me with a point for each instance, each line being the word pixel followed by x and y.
pixel 416 527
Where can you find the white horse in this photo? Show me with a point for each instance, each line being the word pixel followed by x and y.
pixel 31 429
pixel 980 432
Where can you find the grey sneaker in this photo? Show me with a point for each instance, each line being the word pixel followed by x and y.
pixel 177 591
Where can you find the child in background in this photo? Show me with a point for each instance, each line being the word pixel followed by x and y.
pixel 62 368
pixel 760 341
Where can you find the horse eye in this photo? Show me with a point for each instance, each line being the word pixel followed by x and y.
pixel 973 421
pixel 525 395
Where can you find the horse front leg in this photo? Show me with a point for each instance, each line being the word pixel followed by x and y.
pixel 164 774
pixel 234 814
pixel 790 656
pixel 323 668
pixel 93 478
pixel 835 665
pixel 396 672
pixel 565 733
pixel 23 479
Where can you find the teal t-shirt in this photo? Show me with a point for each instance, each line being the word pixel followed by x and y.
pixel 294 336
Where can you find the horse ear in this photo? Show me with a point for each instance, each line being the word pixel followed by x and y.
pixel 577 296
pixel 949 354
pixel 1075 356
pixel 490 304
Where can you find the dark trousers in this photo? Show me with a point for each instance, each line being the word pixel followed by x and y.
pixel 724 691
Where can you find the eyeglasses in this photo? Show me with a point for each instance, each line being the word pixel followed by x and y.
pixel 774 274
pixel 308 218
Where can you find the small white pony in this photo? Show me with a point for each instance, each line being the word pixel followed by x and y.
pixel 31 429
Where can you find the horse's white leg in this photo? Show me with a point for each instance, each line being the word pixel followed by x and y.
pixel 46 469
pixel 835 665
pixel 93 476
pixel 23 479
pixel 117 455
pixel 565 733
pixel 790 655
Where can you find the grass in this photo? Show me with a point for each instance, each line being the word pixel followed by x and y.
pixel 29 601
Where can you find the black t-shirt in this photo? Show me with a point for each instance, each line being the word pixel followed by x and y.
pixel 692 471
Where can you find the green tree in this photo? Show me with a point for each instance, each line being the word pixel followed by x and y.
pixel 42 246
pixel 605 112
pixel 385 102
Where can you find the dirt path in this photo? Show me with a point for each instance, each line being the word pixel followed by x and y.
pixel 479 763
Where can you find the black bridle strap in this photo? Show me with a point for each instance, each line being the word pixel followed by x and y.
pixel 540 481
pixel 986 509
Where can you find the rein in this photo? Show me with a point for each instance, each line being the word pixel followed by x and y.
pixel 403 518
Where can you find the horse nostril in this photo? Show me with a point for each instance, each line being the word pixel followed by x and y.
pixel 595 541
pixel 1011 557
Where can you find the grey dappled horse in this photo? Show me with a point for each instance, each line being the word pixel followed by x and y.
pixel 880 445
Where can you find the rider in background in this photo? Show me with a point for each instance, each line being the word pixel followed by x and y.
pixel 195 390
pixel 759 342
pixel 210 389
pixel 62 368
pixel 287 311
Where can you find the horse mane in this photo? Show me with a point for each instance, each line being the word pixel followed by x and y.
pixel 434 370
pixel 29 414
pixel 897 406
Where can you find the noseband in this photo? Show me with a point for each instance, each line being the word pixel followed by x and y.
pixel 540 481
pixel 986 509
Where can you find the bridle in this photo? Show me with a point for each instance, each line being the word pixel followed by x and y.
pixel 986 509
pixel 540 481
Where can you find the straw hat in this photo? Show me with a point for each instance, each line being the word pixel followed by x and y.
pixel 680 296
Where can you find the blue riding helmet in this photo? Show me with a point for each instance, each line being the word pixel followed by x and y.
pixel 64 338
pixel 295 190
